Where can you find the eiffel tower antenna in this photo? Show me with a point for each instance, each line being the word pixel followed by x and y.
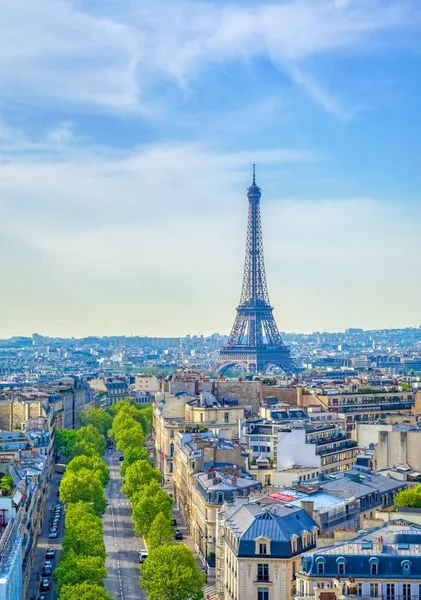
pixel 255 342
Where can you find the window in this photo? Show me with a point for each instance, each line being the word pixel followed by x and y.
pixel 262 593
pixel 263 549
pixel 406 567
pixel 374 590
pixel 359 589
pixel 201 417
pixel 171 433
pixel 320 567
pixel 294 544
pixel 390 591
pixel 226 417
pixel 341 568
pixel 170 466
pixel 374 569
pixel 406 591
pixel 171 449
pixel 263 572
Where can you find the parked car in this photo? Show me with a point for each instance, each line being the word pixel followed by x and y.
pixel 143 555
pixel 178 535
pixel 53 533
pixel 50 553
pixel 45 585
pixel 121 458
pixel 47 570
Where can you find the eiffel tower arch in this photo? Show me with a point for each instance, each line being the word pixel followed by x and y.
pixel 255 342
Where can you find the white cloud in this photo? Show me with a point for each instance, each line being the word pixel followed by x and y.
pixel 111 55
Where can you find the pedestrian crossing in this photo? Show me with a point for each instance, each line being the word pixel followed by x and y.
pixel 210 593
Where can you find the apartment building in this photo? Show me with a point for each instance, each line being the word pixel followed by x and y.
pixel 11 562
pixel 259 548
pixel 326 447
pixel 382 563
pixel 356 405
pixel 181 412
pixel 209 492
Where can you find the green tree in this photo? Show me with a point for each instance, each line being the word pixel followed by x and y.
pixel 82 512
pixel 84 591
pixel 133 436
pixel 131 455
pixel 145 417
pixel 160 532
pixel 84 540
pixel 74 569
pixel 146 506
pixel 138 474
pixel 91 436
pixel 84 485
pixel 64 440
pixel 93 463
pixel 98 418
pixel 171 573
pixel 409 498
pixel 6 483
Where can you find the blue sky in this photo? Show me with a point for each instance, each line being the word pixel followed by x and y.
pixel 127 134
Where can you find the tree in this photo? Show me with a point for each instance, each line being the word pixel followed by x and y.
pixel 409 497
pixel 138 474
pixel 93 463
pixel 145 416
pixel 160 532
pixel 171 573
pixel 91 436
pixel 6 483
pixel 131 455
pixel 84 591
pixel 146 506
pixel 98 418
pixel 82 512
pixel 84 485
pixel 74 569
pixel 84 540
pixel 64 440
pixel 132 436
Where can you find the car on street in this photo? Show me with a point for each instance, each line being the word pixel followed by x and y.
pixel 121 458
pixel 50 553
pixel 53 533
pixel 177 534
pixel 45 585
pixel 47 570
pixel 42 597
pixel 143 555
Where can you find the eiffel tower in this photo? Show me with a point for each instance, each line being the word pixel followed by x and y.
pixel 255 342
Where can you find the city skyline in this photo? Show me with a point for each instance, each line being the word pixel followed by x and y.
pixel 126 148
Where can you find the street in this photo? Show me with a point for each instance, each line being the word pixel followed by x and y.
pixel 121 544
pixel 44 542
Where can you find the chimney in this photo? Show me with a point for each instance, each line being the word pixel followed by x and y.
pixel 380 544
pixel 234 480
pixel 308 505
pixel 300 402
pixel 196 387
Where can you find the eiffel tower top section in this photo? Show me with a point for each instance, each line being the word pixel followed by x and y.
pixel 254 291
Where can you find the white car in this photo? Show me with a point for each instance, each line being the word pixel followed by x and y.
pixel 143 555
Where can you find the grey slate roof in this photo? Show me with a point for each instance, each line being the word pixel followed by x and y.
pixel 398 548
pixel 274 521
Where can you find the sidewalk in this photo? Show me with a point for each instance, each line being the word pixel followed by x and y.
pixel 44 542
pixel 209 589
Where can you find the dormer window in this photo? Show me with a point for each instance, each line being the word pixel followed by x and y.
pixel 294 547
pixel 341 565
pixel 320 562
pixel 406 567
pixel 263 549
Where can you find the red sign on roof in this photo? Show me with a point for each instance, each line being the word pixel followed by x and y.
pixel 282 497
